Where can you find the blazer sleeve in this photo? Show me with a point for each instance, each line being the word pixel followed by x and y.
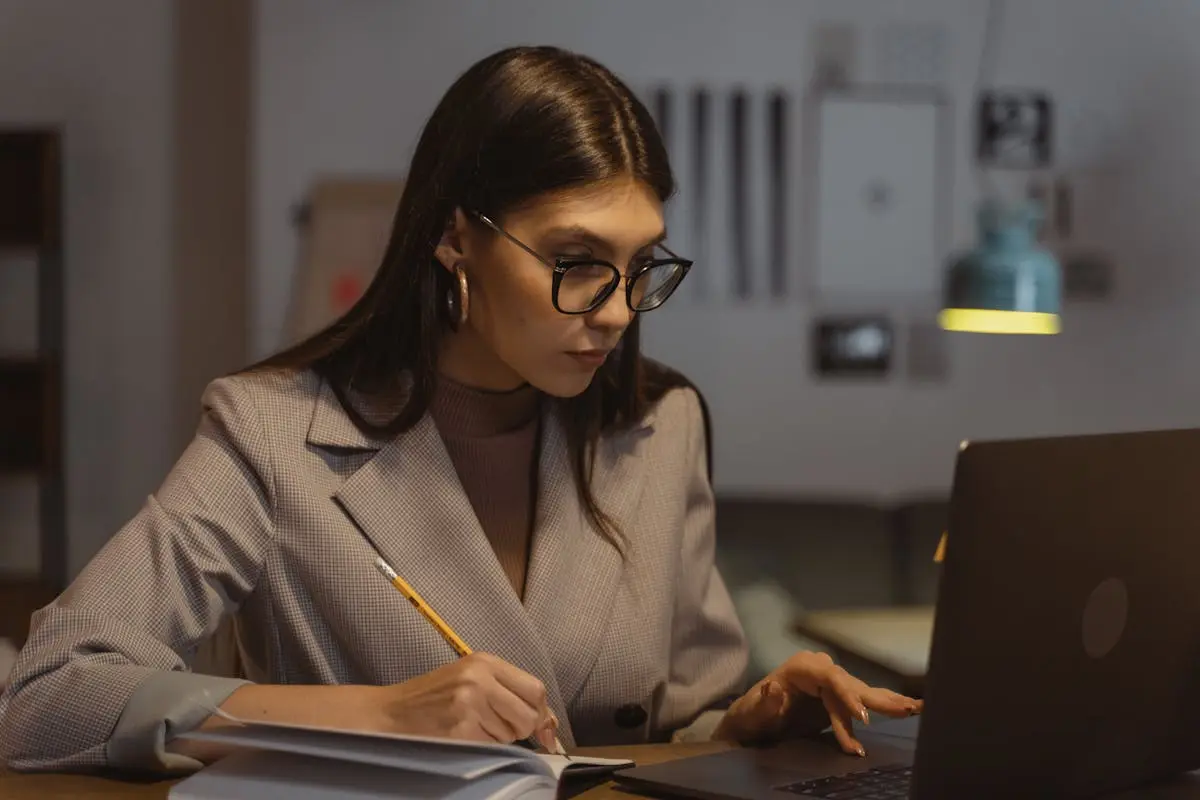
pixel 103 679
pixel 709 653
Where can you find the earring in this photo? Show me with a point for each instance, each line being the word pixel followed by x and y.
pixel 458 299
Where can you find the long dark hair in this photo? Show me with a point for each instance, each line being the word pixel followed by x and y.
pixel 518 124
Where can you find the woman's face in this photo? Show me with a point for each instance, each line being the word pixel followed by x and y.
pixel 513 333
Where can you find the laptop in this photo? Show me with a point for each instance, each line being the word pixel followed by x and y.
pixel 1065 659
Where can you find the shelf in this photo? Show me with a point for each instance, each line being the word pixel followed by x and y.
pixel 20 596
pixel 29 190
pixel 23 415
pixel 31 389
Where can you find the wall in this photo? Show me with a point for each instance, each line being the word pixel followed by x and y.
pixel 344 88
pixel 102 71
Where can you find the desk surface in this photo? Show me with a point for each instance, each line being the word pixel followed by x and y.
pixel 86 787
pixel 892 639
pixel 83 787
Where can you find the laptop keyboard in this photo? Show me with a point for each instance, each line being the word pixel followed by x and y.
pixel 880 783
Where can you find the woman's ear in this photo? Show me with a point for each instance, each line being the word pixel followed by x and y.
pixel 450 250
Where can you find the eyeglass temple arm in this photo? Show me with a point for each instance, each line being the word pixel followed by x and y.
pixel 486 221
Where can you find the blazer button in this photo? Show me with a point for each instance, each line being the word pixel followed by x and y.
pixel 630 716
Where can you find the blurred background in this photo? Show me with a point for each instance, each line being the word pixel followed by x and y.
pixel 191 184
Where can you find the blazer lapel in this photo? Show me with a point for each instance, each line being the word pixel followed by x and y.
pixel 574 571
pixel 407 500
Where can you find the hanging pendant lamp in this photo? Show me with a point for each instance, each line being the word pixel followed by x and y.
pixel 1008 283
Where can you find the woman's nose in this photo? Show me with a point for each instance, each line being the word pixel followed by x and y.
pixel 613 314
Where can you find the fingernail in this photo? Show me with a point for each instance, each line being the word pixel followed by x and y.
pixel 862 714
pixel 861 753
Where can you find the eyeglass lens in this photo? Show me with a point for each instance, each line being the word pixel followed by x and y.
pixel 586 285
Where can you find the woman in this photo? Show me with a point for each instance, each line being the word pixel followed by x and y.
pixel 482 420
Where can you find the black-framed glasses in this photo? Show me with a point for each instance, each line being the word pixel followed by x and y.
pixel 583 284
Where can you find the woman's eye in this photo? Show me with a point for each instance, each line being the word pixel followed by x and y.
pixel 590 270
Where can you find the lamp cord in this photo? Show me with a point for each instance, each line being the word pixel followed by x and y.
pixel 983 79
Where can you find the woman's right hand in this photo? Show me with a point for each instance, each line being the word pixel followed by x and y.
pixel 479 697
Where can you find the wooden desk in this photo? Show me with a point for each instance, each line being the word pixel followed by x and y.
pixel 892 640
pixel 86 787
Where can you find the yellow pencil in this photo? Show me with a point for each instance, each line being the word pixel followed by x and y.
pixel 940 555
pixel 452 638
pixel 410 594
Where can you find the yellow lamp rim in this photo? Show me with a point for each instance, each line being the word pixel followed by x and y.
pixel 992 320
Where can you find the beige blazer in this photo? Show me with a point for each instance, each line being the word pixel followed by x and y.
pixel 275 515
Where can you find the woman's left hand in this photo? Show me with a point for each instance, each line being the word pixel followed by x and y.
pixel 805 695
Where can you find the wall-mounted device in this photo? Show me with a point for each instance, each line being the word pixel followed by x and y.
pixel 1087 271
pixel 845 346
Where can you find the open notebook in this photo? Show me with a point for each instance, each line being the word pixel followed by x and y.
pixel 300 762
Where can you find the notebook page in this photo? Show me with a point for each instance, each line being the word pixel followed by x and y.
pixel 560 764
pixel 417 754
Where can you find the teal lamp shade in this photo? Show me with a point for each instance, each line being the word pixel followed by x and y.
pixel 1008 283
